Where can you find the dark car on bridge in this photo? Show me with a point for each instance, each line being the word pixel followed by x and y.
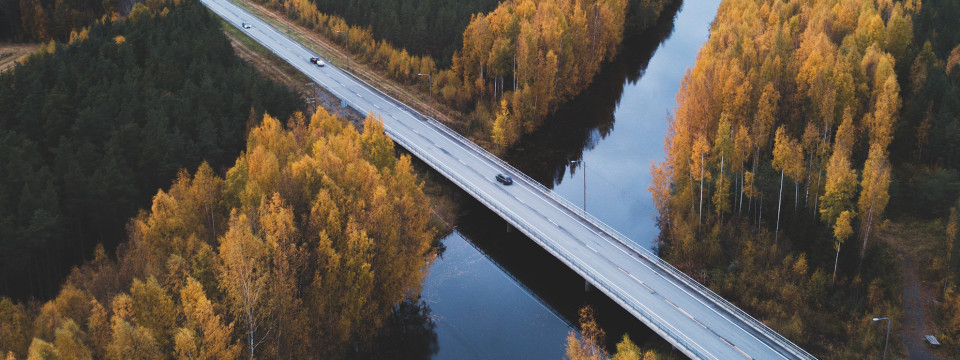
pixel 504 179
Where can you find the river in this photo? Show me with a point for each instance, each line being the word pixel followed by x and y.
pixel 493 293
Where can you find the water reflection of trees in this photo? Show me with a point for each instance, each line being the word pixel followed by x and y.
pixel 579 124
pixel 409 333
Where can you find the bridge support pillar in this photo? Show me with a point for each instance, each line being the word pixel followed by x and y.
pixel 586 285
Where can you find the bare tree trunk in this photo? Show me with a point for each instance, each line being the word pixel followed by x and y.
pixel 796 195
pixel 835 262
pixel 756 159
pixel 816 193
pixel 779 203
pixel 866 235
pixel 759 213
pixel 740 205
pixel 700 220
pixel 806 198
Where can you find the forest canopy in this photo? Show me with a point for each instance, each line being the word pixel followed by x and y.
pixel 45 20
pixel 91 128
pixel 426 27
pixel 516 64
pixel 850 104
pixel 303 249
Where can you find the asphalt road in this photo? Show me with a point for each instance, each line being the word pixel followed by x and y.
pixel 691 317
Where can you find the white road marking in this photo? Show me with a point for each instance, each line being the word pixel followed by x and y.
pixel 736 348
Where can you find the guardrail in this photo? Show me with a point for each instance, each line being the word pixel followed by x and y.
pixel 662 326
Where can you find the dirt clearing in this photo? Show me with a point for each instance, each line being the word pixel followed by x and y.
pixel 10 53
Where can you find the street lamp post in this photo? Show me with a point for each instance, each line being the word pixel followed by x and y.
pixel 430 89
pixel 888 335
pixel 347 34
pixel 580 161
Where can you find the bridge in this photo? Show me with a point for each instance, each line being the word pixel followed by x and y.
pixel 693 318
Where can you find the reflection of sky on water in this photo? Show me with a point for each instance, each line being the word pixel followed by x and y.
pixel 618 166
pixel 483 312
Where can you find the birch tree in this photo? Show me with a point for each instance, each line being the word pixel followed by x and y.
pixel 244 278
pixel 698 169
pixel 873 194
pixel 841 231
pixel 787 158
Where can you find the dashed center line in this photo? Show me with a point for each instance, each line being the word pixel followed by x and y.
pixel 735 348
pixel 639 281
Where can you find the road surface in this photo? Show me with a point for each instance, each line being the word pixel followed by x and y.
pixel 694 319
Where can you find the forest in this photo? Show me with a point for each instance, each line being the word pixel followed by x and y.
pixel 45 20
pixel 426 28
pixel 90 128
pixel 303 250
pixel 589 345
pixel 854 106
pixel 516 64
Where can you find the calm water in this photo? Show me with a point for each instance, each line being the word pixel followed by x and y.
pixel 494 294
pixel 617 128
